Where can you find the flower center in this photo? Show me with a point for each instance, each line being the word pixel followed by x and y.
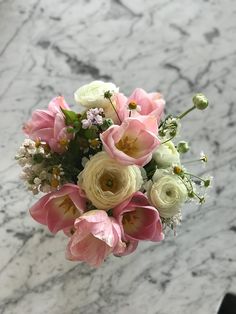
pixel 132 105
pixel 128 145
pixel 63 142
pixel 109 182
pixel 132 221
pixel 168 192
pixel 67 206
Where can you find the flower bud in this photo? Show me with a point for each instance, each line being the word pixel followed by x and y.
pixel 207 183
pixel 108 94
pixel 200 101
pixel 132 105
pixel 106 124
pixel 182 147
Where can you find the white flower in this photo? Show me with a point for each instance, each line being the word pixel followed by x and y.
pixel 92 94
pixel 107 183
pixel 167 193
pixel 166 155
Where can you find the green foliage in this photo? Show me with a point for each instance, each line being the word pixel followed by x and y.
pixel 106 124
pixel 150 168
pixel 70 116
pixel 90 133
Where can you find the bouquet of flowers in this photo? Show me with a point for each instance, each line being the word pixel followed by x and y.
pixel 111 174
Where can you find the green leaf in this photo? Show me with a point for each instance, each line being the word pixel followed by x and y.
pixel 90 133
pixel 70 116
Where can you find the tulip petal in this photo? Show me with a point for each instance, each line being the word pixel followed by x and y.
pixel 61 213
pixel 38 211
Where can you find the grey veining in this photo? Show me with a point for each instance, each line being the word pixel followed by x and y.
pixel 176 47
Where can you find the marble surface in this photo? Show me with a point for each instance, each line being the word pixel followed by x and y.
pixel 176 47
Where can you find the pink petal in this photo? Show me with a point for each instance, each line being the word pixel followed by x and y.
pixel 56 104
pixel 38 211
pixel 59 217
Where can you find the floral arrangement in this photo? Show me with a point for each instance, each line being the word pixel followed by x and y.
pixel 112 176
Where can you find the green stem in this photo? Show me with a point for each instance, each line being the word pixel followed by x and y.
pixel 187 188
pixel 169 139
pixel 189 181
pixel 193 175
pixel 115 110
pixel 190 190
pixel 191 161
pixel 185 113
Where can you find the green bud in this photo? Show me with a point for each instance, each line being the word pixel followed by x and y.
pixel 207 183
pixel 191 194
pixel 200 101
pixel 162 133
pixel 106 124
pixel 107 94
pixel 173 133
pixel 182 147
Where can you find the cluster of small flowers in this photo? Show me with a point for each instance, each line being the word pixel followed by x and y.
pixel 94 117
pixel 39 176
pixel 111 174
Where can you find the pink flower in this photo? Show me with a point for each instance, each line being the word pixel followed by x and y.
pixel 58 210
pixel 149 103
pixel 96 236
pixel 138 220
pixel 49 126
pixel 133 141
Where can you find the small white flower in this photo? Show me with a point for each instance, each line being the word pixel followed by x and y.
pixel 22 161
pixel 203 157
pixel 37 181
pixel 86 124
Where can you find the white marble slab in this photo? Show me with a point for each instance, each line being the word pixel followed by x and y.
pixel 177 47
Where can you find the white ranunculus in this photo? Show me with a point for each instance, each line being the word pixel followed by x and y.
pixel 92 94
pixel 167 193
pixel 166 155
pixel 107 183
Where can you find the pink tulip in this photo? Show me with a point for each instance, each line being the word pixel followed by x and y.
pixel 149 103
pixel 133 142
pixel 49 126
pixel 138 220
pixel 96 236
pixel 58 210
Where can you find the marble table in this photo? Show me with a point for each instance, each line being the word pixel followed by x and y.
pixel 176 47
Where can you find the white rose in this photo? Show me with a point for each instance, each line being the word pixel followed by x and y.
pixel 167 193
pixel 92 94
pixel 107 183
pixel 166 155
